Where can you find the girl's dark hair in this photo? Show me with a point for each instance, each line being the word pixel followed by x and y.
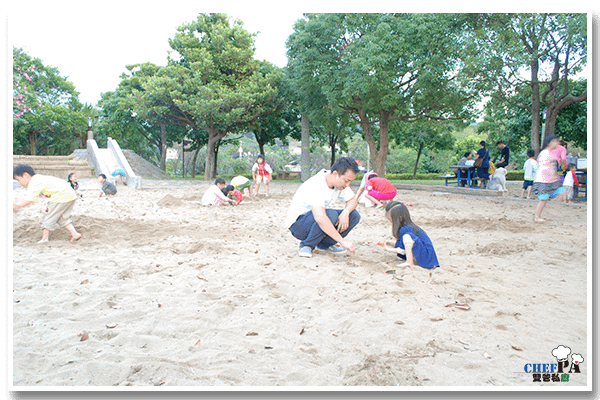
pixel 530 153
pixel 371 176
pixel 547 140
pixel 69 177
pixel 400 217
pixel 219 180
pixel 260 156
pixel 482 143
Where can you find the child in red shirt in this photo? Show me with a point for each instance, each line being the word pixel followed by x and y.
pixel 379 189
pixel 232 192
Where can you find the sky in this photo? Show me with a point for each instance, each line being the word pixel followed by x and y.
pixel 92 46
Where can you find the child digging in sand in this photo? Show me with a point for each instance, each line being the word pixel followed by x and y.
pixel 412 243
pixel 233 194
pixel 214 195
pixel 62 199
pixel 108 188
pixel 379 190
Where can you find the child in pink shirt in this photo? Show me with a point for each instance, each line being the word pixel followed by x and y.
pixel 379 189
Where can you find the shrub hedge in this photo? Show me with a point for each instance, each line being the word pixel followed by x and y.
pixel 510 176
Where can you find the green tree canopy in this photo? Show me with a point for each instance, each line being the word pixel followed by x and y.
pixel 381 68
pixel 529 53
pixel 215 83
pixel 47 114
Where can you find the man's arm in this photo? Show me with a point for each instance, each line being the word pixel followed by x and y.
pixel 325 224
pixel 344 218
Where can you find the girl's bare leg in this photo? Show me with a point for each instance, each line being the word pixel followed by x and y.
pixel 540 208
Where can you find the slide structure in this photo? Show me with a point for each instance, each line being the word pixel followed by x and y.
pixel 112 158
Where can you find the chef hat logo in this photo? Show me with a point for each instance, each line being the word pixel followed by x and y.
pixel 561 353
pixel 577 359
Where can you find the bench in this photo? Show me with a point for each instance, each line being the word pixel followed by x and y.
pixel 447 177
pixel 286 175
pixel 281 175
pixel 582 187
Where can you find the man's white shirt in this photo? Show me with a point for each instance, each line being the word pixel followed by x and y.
pixel 315 193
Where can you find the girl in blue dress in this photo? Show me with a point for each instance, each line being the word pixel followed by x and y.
pixel 412 243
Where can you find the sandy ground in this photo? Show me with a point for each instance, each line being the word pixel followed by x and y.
pixel 162 291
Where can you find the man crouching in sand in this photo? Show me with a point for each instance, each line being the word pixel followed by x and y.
pixel 311 218
pixel 62 199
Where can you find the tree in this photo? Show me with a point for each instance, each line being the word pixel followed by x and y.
pixel 47 113
pixel 422 135
pixel 380 68
pixel 280 118
pixel 215 84
pixel 149 96
pixel 551 47
pixel 571 123
pixel 512 125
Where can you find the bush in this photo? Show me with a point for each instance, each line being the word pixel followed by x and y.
pixel 515 175
pixel 409 176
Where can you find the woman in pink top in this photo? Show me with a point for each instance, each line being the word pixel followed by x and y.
pixel 547 184
pixel 560 153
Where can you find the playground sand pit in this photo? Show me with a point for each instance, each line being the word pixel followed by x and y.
pixel 161 291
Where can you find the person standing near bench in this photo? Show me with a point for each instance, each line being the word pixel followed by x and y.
pixel 311 218
pixel 504 154
pixel 482 170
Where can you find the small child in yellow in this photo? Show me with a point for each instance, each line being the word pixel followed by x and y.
pixel 62 199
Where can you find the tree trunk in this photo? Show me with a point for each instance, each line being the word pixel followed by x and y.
pixel 332 143
pixel 260 141
pixel 194 162
pixel 163 146
pixel 214 135
pixel 214 168
pixel 417 162
pixel 535 106
pixel 32 143
pixel 555 102
pixel 305 155
pixel 379 156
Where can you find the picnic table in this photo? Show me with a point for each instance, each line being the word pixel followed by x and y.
pixel 471 178
pixel 582 185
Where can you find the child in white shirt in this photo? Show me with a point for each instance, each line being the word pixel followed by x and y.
pixel 530 168
pixel 570 181
pixel 214 196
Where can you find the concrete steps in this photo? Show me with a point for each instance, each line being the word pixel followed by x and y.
pixel 58 166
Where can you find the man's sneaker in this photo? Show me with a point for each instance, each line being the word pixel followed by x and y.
pixel 305 251
pixel 334 249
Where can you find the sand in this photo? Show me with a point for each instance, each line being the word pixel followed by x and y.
pixel 162 291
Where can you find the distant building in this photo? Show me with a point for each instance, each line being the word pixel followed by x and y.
pixel 172 154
